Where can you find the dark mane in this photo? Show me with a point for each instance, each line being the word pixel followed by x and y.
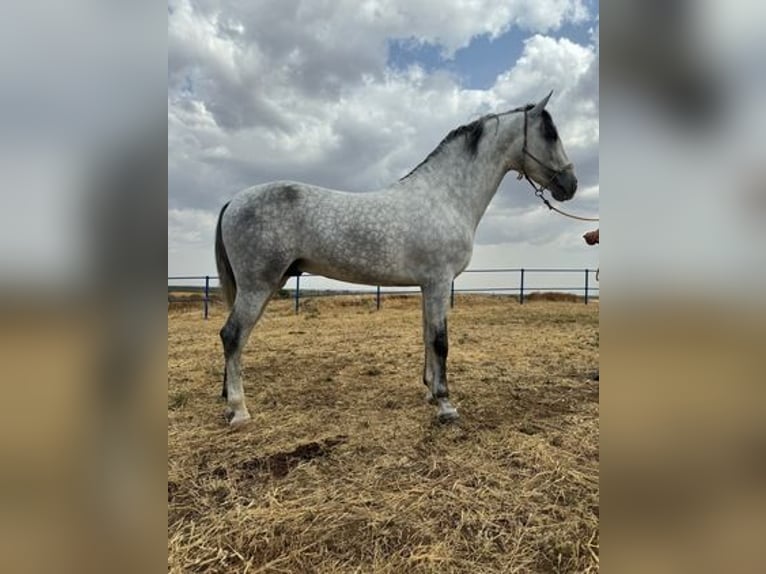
pixel 473 132
pixel 470 132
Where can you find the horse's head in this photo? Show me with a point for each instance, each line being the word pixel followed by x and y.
pixel 545 160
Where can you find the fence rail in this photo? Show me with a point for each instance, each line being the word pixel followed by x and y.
pixel 523 286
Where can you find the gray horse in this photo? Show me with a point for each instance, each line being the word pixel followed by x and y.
pixel 418 231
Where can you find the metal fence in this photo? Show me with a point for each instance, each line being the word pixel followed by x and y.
pixel 524 276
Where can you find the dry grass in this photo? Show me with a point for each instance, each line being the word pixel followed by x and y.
pixel 343 468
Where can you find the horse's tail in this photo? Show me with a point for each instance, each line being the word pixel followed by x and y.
pixel 225 274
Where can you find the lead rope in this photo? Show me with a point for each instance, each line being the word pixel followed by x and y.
pixel 539 193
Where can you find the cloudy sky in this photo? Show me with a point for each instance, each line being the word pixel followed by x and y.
pixel 352 94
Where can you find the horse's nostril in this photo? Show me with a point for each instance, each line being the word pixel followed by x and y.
pixel 572 182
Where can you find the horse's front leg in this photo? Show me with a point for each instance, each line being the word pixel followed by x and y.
pixel 435 308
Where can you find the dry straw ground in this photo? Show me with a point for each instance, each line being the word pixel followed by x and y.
pixel 343 468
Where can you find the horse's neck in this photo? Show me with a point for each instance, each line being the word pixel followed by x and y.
pixel 469 183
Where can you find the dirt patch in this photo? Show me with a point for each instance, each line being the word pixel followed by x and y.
pixel 279 464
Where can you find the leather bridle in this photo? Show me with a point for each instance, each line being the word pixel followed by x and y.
pixel 539 191
pixel 529 154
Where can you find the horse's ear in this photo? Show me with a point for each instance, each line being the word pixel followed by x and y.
pixel 540 106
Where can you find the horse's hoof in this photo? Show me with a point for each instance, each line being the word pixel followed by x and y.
pixel 237 420
pixel 447 414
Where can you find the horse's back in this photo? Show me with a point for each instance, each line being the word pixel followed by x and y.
pixel 274 193
pixel 289 197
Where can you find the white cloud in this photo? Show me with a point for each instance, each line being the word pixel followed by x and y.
pixel 249 60
pixel 189 226
pixel 562 66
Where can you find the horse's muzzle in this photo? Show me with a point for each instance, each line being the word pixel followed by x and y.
pixel 563 185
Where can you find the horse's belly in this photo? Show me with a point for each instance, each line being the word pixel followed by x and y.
pixel 361 272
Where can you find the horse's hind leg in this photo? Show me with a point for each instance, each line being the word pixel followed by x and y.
pixel 247 309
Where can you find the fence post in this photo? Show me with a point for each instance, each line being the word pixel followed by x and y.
pixel 452 295
pixel 297 293
pixel 521 288
pixel 207 293
pixel 586 286
pixel 377 298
